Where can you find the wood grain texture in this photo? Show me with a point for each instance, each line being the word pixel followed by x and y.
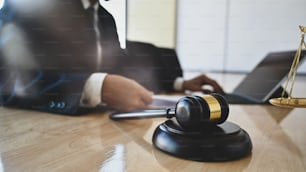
pixel 38 141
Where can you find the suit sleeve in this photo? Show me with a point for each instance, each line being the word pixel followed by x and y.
pixel 163 61
pixel 51 91
pixel 171 68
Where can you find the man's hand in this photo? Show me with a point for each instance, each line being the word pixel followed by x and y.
pixel 125 94
pixel 198 84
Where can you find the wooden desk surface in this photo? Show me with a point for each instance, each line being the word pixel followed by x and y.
pixel 37 141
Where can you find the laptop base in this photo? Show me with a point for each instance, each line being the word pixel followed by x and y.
pixel 233 98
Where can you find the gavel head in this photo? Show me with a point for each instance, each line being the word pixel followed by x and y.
pixel 195 112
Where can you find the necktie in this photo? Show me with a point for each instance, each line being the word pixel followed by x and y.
pixel 93 10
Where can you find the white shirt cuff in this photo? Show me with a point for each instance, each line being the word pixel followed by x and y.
pixel 178 84
pixel 91 95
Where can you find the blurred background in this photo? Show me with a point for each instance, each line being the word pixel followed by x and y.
pixel 218 35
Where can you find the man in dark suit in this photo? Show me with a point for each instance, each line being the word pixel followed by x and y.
pixel 64 56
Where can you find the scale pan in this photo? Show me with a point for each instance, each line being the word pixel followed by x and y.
pixel 289 102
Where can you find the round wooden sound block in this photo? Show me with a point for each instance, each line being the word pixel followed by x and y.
pixel 223 142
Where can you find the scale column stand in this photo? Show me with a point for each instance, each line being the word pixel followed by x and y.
pixel 291 102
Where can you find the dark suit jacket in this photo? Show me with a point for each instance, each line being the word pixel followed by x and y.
pixel 47 53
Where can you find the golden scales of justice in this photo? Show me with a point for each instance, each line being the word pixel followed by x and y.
pixel 292 102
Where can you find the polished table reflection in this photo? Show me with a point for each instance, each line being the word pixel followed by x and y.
pixel 39 141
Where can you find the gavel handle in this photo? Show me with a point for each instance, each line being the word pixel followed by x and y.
pixel 168 113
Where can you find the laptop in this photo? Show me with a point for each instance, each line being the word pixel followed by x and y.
pixel 257 87
pixel 265 80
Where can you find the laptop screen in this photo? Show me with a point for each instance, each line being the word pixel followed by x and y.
pixel 268 75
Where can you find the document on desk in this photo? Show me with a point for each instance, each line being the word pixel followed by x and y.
pixel 164 101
